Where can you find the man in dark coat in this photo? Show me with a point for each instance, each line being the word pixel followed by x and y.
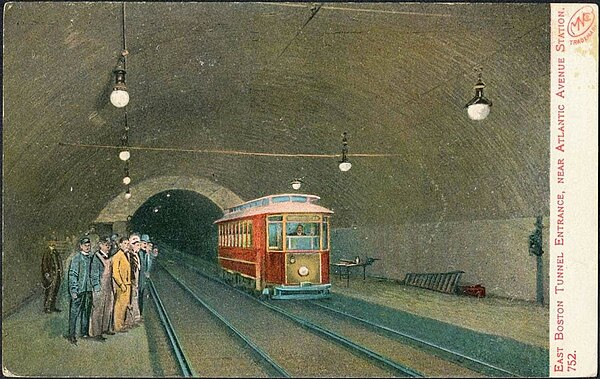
pixel 51 277
pixel 80 290
pixel 144 253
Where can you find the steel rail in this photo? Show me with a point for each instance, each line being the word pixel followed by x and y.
pixel 186 368
pixel 329 334
pixel 416 339
pixel 280 370
pixel 346 342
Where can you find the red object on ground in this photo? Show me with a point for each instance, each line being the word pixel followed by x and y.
pixel 477 290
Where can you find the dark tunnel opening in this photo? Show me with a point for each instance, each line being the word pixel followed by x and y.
pixel 181 219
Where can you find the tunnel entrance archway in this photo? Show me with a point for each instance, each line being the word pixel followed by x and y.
pixel 203 195
pixel 181 219
pixel 119 208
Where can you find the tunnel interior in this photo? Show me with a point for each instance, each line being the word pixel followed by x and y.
pixel 181 219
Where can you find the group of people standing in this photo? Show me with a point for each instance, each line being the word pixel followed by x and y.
pixel 106 288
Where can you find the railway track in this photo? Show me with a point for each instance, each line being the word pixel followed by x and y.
pixel 387 351
pixel 451 355
pixel 209 346
pixel 299 348
pixel 181 358
pixel 399 353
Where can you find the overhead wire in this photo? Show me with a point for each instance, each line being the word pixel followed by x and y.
pixel 228 152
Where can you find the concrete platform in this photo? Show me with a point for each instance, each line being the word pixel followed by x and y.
pixel 34 344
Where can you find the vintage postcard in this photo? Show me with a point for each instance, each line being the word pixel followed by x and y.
pixel 300 189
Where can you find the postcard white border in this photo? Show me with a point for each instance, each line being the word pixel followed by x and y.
pixel 573 239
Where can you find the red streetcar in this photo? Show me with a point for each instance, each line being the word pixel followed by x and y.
pixel 277 246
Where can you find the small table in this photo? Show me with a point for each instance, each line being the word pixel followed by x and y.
pixel 347 265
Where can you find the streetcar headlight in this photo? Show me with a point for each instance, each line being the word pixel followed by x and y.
pixel 303 271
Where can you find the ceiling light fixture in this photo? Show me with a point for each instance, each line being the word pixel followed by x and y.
pixel 345 165
pixel 296 184
pixel 126 178
pixel 479 106
pixel 124 155
pixel 119 96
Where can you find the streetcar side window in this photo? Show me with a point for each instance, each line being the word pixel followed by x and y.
pixel 233 234
pixel 244 234
pixel 275 229
pixel 229 234
pixel 325 233
pixel 250 234
pixel 221 235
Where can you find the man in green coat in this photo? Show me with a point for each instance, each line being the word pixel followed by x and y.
pixel 80 290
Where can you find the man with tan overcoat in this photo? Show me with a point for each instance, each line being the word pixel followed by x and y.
pixel 121 274
pixel 103 297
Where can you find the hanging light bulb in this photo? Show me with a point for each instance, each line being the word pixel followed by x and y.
pixel 296 184
pixel 127 194
pixel 119 97
pixel 124 155
pixel 126 180
pixel 345 165
pixel 479 106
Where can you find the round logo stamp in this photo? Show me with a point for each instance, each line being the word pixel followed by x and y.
pixel 581 21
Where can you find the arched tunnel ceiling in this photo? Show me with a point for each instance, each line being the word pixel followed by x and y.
pixel 280 78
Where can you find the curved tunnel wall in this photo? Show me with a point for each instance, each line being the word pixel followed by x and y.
pixel 353 70
pixel 491 252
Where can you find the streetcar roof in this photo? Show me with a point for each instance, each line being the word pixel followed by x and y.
pixel 282 203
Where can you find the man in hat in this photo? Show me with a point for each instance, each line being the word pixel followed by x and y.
pixel 121 273
pixel 150 258
pixel 51 276
pixel 102 296
pixel 133 311
pixel 114 244
pixel 144 254
pixel 80 290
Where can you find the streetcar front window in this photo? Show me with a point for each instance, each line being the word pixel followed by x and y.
pixel 303 235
